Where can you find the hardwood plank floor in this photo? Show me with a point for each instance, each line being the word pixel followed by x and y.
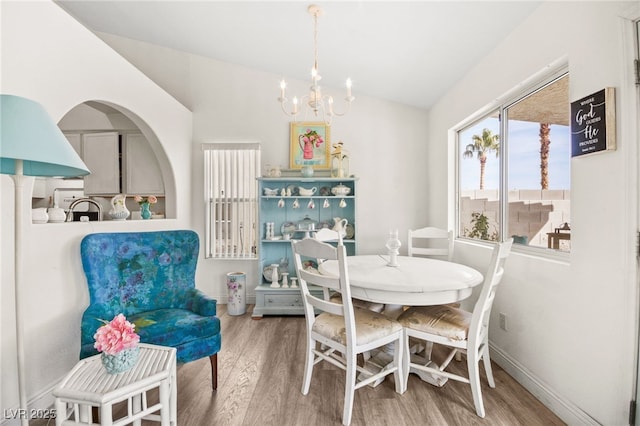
pixel 260 377
pixel 260 371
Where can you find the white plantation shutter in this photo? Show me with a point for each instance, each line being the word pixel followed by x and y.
pixel 230 172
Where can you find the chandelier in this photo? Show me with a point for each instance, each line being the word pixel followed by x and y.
pixel 317 102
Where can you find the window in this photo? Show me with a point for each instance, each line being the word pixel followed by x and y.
pixel 230 172
pixel 513 167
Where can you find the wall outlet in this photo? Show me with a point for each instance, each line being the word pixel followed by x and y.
pixel 503 321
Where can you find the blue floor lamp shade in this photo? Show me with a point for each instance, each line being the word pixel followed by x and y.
pixel 30 135
pixel 31 144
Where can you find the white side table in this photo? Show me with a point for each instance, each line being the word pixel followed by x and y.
pixel 89 385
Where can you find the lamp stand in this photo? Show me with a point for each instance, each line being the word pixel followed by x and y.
pixel 19 180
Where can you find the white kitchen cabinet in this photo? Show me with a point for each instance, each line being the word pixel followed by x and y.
pixel 101 154
pixel 142 174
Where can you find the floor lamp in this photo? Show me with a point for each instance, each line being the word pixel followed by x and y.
pixel 31 144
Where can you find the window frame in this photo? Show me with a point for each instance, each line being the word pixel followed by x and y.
pixel 535 83
pixel 211 201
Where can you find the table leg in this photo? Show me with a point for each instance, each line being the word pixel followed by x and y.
pixel 106 416
pixel 165 404
pixel 173 398
pixel 61 411
pixel 86 415
pixel 430 378
pixel 137 407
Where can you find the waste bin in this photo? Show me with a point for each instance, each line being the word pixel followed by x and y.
pixel 236 286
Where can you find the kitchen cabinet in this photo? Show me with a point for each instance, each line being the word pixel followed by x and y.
pixel 285 212
pixel 119 162
pixel 142 173
pixel 101 154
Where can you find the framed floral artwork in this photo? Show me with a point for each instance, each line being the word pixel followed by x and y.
pixel 309 145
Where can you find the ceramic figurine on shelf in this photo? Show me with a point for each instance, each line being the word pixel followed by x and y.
pixel 274 276
pixel 340 226
pixel 339 161
pixel 119 210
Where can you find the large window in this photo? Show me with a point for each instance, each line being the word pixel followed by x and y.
pixel 230 172
pixel 513 167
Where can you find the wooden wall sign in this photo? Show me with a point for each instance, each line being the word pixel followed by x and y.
pixel 593 123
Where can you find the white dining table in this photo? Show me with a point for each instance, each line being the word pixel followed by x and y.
pixel 416 281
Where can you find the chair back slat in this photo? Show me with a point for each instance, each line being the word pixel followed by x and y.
pixel 439 242
pixel 312 248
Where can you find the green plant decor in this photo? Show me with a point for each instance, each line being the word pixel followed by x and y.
pixel 481 228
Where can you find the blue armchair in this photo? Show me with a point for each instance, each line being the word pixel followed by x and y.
pixel 150 278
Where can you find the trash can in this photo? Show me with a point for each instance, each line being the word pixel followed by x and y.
pixel 236 284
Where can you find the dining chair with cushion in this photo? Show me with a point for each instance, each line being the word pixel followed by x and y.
pixel 150 278
pixel 326 235
pixel 340 331
pixel 431 242
pixel 462 331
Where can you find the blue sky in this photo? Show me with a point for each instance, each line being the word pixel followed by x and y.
pixel 524 157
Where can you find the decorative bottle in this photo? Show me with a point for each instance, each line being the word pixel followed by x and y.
pixel 393 246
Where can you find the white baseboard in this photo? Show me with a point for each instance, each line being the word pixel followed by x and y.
pixel 43 401
pixel 566 410
pixel 38 406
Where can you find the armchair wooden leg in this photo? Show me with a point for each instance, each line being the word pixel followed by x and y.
pixel 214 371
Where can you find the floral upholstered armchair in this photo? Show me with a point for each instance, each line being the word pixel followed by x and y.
pixel 150 278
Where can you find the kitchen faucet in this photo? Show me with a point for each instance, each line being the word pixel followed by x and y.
pixel 83 200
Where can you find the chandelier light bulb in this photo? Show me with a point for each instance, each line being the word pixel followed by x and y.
pixel 315 101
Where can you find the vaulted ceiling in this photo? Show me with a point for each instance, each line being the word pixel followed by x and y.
pixel 409 52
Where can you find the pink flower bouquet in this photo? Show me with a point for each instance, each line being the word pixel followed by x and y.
pixel 151 199
pixel 116 336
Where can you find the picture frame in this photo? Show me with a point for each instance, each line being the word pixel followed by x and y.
pixel 593 124
pixel 307 151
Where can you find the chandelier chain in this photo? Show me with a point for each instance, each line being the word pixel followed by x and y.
pixel 315 101
pixel 315 40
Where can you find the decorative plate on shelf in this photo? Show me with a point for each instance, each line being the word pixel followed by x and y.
pixel 324 191
pixel 350 230
pixel 288 228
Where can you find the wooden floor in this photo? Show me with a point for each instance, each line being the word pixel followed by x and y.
pixel 260 377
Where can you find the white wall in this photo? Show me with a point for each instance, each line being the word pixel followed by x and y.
pixel 572 326
pixel 231 102
pixel 49 57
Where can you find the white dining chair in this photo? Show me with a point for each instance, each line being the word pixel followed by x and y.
pixel 430 242
pixel 462 331
pixel 326 235
pixel 341 332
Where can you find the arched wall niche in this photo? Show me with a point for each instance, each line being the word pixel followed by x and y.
pixel 99 115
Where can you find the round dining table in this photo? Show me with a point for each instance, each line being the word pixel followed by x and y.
pixel 415 281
